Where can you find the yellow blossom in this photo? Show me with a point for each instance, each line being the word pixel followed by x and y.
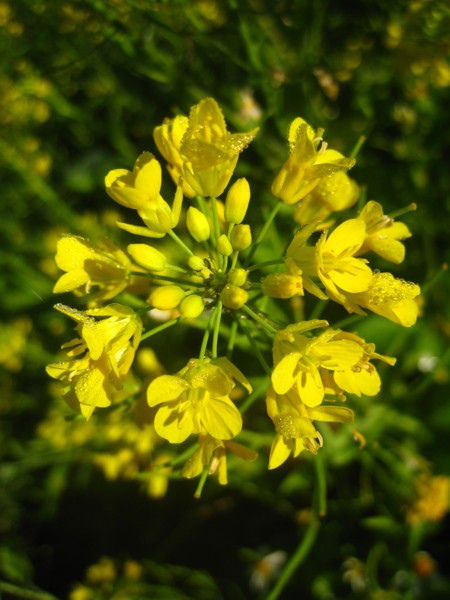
pixel 294 425
pixel 106 349
pixel 197 401
pixel 299 359
pixel 383 234
pixel 211 454
pixel 306 165
pixel 433 499
pixel 389 297
pixel 209 152
pixel 168 137
pixel 87 264
pixel 140 190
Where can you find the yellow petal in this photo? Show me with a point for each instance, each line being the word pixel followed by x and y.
pixel 351 275
pixel 310 387
pixel 340 354
pixel 70 281
pixel 279 452
pixel 165 389
pixel 170 427
pixel 334 414
pixel 359 382
pixel 346 239
pixel 221 418
pixel 283 375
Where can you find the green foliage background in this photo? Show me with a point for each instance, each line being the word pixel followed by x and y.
pixel 82 84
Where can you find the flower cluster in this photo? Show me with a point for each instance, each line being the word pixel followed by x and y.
pixel 202 271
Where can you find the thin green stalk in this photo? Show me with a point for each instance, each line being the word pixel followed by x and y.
pixel 321 484
pixel 255 348
pixel 207 333
pixel 216 328
pixel 357 147
pixel 180 243
pixel 318 309
pixel 160 328
pixel 263 232
pixel 201 484
pixel 295 561
pixel 232 338
pixel 262 321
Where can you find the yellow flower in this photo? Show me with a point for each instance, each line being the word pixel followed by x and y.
pixel 294 426
pixel 299 359
pixel 333 193
pixel 107 348
pixel 388 297
pixel 86 264
pixel 140 190
pixel 433 499
pixel 306 165
pixel 208 151
pixel 383 234
pixel 212 455
pixel 168 137
pixel 362 378
pixel 197 401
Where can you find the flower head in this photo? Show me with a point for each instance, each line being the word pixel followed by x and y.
pixel 140 190
pixel 306 164
pixel 106 351
pixel 197 401
pixel 87 264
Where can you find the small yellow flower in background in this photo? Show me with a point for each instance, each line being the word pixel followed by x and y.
pixel 383 234
pixel 433 499
pixel 208 151
pixel 107 348
pixel 293 421
pixel 299 359
pixel 140 190
pixel 306 165
pixel 102 264
pixel 197 401
pixel 283 285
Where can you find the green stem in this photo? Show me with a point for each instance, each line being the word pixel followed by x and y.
pixel 296 560
pixel 318 309
pixel 207 333
pixel 160 328
pixel 321 484
pixel 232 338
pixel 403 211
pixel 263 232
pixel 357 147
pixel 255 348
pixel 201 483
pixel 180 243
pixel 262 321
pixel 216 328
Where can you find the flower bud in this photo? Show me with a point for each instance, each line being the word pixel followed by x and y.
pixel 191 307
pixel 224 246
pixel 282 285
pixel 147 257
pixel 241 237
pixel 196 263
pixel 237 200
pixel 237 277
pixel 233 297
pixel 197 225
pixel 166 297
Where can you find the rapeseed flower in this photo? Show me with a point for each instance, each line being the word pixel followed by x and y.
pixel 207 153
pixel 106 349
pixel 197 401
pixel 140 190
pixel 294 424
pixel 307 163
pixel 86 265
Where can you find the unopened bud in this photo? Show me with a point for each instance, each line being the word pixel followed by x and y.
pixel 282 285
pixel 237 200
pixel 224 246
pixel 196 263
pixel 241 237
pixel 147 257
pixel 237 277
pixel 197 225
pixel 191 307
pixel 233 297
pixel 166 297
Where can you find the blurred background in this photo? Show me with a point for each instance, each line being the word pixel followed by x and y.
pixel 82 85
